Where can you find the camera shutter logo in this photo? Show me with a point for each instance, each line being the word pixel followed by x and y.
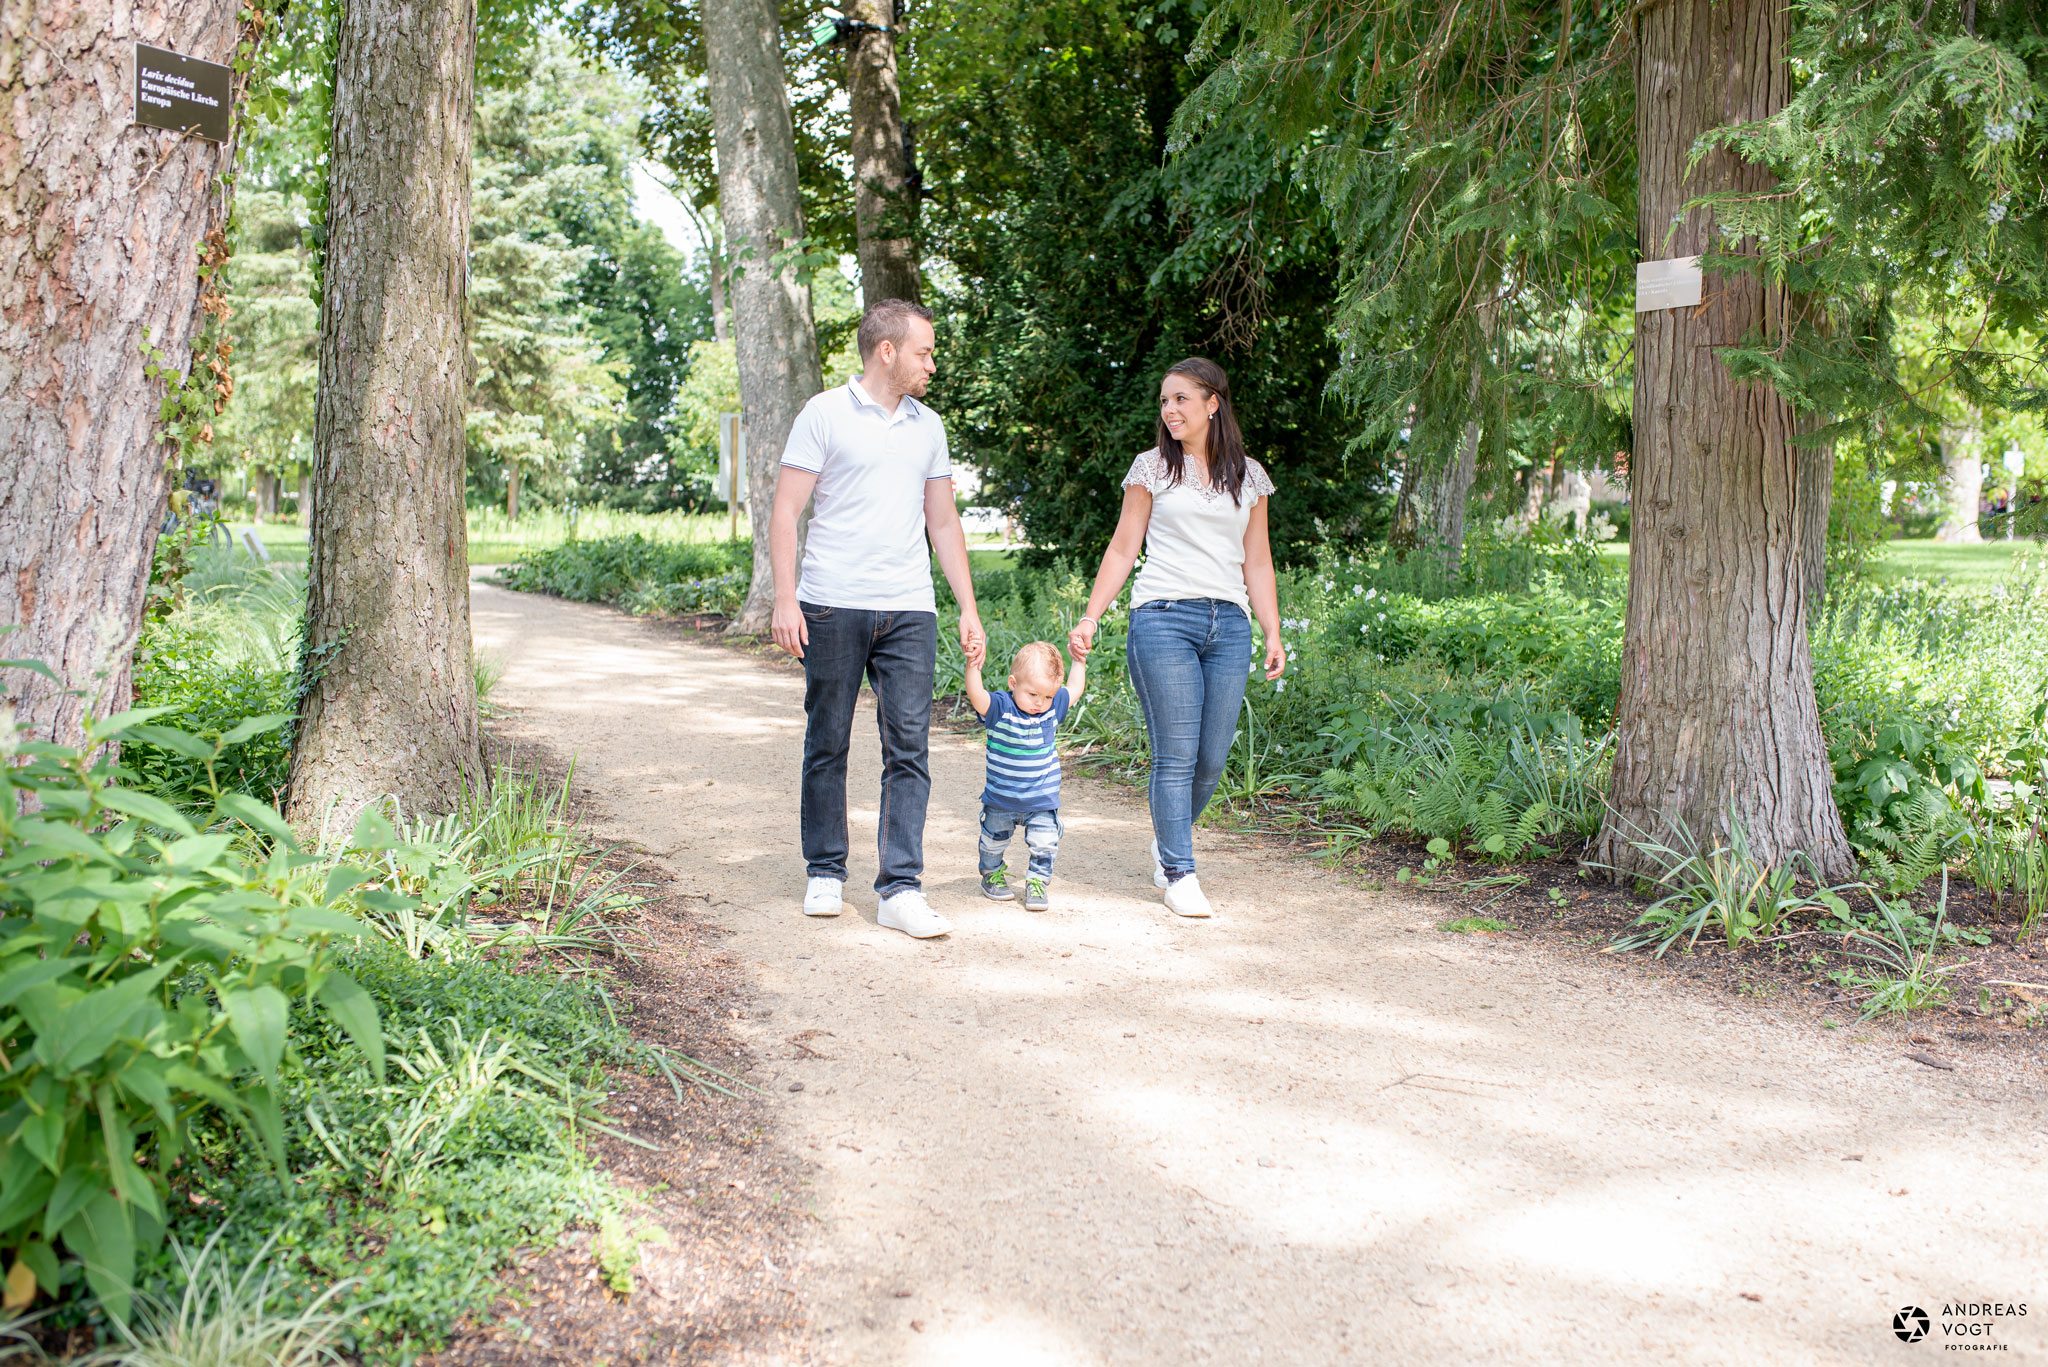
pixel 1911 1324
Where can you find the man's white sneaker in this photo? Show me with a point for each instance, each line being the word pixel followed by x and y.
pixel 908 912
pixel 822 897
pixel 1158 869
pixel 1184 897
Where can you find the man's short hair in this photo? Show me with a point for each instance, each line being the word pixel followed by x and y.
pixel 888 321
pixel 1038 660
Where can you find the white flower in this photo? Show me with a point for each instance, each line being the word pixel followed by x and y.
pixel 1279 685
pixel 1372 594
pixel 1357 588
pixel 1365 628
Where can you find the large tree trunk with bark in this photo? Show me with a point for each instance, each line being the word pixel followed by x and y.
pixel 1962 482
pixel 1816 495
pixel 101 228
pixel 774 340
pixel 391 706
pixel 1716 721
pixel 884 206
pixel 1449 495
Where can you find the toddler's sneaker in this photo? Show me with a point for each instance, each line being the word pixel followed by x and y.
pixel 1184 897
pixel 995 884
pixel 821 897
pixel 908 912
pixel 1159 879
pixel 1034 895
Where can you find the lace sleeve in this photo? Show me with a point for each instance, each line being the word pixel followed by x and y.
pixel 1256 479
pixel 1148 472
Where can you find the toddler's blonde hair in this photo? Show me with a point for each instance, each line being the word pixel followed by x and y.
pixel 1038 660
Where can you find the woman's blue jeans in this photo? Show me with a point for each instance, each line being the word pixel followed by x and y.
pixel 1188 659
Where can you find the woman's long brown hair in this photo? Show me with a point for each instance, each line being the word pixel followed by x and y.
pixel 1226 443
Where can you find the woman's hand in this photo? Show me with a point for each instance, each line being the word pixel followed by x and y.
pixel 1276 658
pixel 1081 639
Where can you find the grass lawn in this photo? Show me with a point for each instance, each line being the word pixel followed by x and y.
pixel 1925 558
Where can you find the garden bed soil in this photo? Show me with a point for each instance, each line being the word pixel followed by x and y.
pixel 1580 911
pixel 719 1204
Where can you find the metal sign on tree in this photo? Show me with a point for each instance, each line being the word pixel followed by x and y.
pixel 183 94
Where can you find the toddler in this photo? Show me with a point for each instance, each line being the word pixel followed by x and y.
pixel 1023 765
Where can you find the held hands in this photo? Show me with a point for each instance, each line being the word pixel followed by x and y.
pixel 1276 658
pixel 977 652
pixel 788 626
pixel 1081 639
pixel 973 640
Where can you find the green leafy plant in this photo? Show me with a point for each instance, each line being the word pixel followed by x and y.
pixel 1900 974
pixel 148 964
pixel 1724 889
pixel 228 1318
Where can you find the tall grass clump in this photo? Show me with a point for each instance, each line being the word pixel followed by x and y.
pixel 638 574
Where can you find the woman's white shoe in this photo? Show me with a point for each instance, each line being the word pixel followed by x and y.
pixel 1184 897
pixel 908 912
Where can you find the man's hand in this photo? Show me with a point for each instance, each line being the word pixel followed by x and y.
pixel 791 632
pixel 1081 639
pixel 972 638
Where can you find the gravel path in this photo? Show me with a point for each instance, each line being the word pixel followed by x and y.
pixel 1314 1130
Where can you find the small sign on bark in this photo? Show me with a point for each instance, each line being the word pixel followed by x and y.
pixel 1673 284
pixel 182 93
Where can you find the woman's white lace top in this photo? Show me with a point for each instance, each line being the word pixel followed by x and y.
pixel 1194 544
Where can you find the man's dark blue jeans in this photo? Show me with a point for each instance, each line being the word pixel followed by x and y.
pixel 897 652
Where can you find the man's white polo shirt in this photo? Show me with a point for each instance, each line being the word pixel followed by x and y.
pixel 866 547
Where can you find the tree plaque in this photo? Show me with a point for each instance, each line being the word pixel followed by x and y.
pixel 1673 284
pixel 182 93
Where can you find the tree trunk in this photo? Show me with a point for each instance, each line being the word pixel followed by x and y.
pixel 775 342
pixel 1448 499
pixel 266 492
pixel 391 703
pixel 1962 482
pixel 100 226
pixel 1815 496
pixel 1716 721
pixel 718 332
pixel 883 206
pixel 512 493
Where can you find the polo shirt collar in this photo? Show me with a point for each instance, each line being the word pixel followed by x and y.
pixel 906 407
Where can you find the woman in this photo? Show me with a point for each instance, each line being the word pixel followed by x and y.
pixel 1196 503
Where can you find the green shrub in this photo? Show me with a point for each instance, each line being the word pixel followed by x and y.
pixel 148 967
pixel 609 570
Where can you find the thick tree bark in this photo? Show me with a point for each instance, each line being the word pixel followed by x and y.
pixel 391 709
pixel 1962 482
pixel 99 226
pixel 883 206
pixel 1447 499
pixel 1716 720
pixel 774 340
pixel 1816 495
pixel 717 295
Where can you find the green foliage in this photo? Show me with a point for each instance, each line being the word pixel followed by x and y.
pixel 1080 268
pixel 1725 889
pixel 225 1317
pixel 644 575
pixel 148 965
pixel 1471 925
pixel 1898 972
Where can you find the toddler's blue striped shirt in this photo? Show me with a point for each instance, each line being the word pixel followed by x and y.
pixel 1023 762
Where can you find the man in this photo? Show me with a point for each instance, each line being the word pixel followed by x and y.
pixel 875 458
